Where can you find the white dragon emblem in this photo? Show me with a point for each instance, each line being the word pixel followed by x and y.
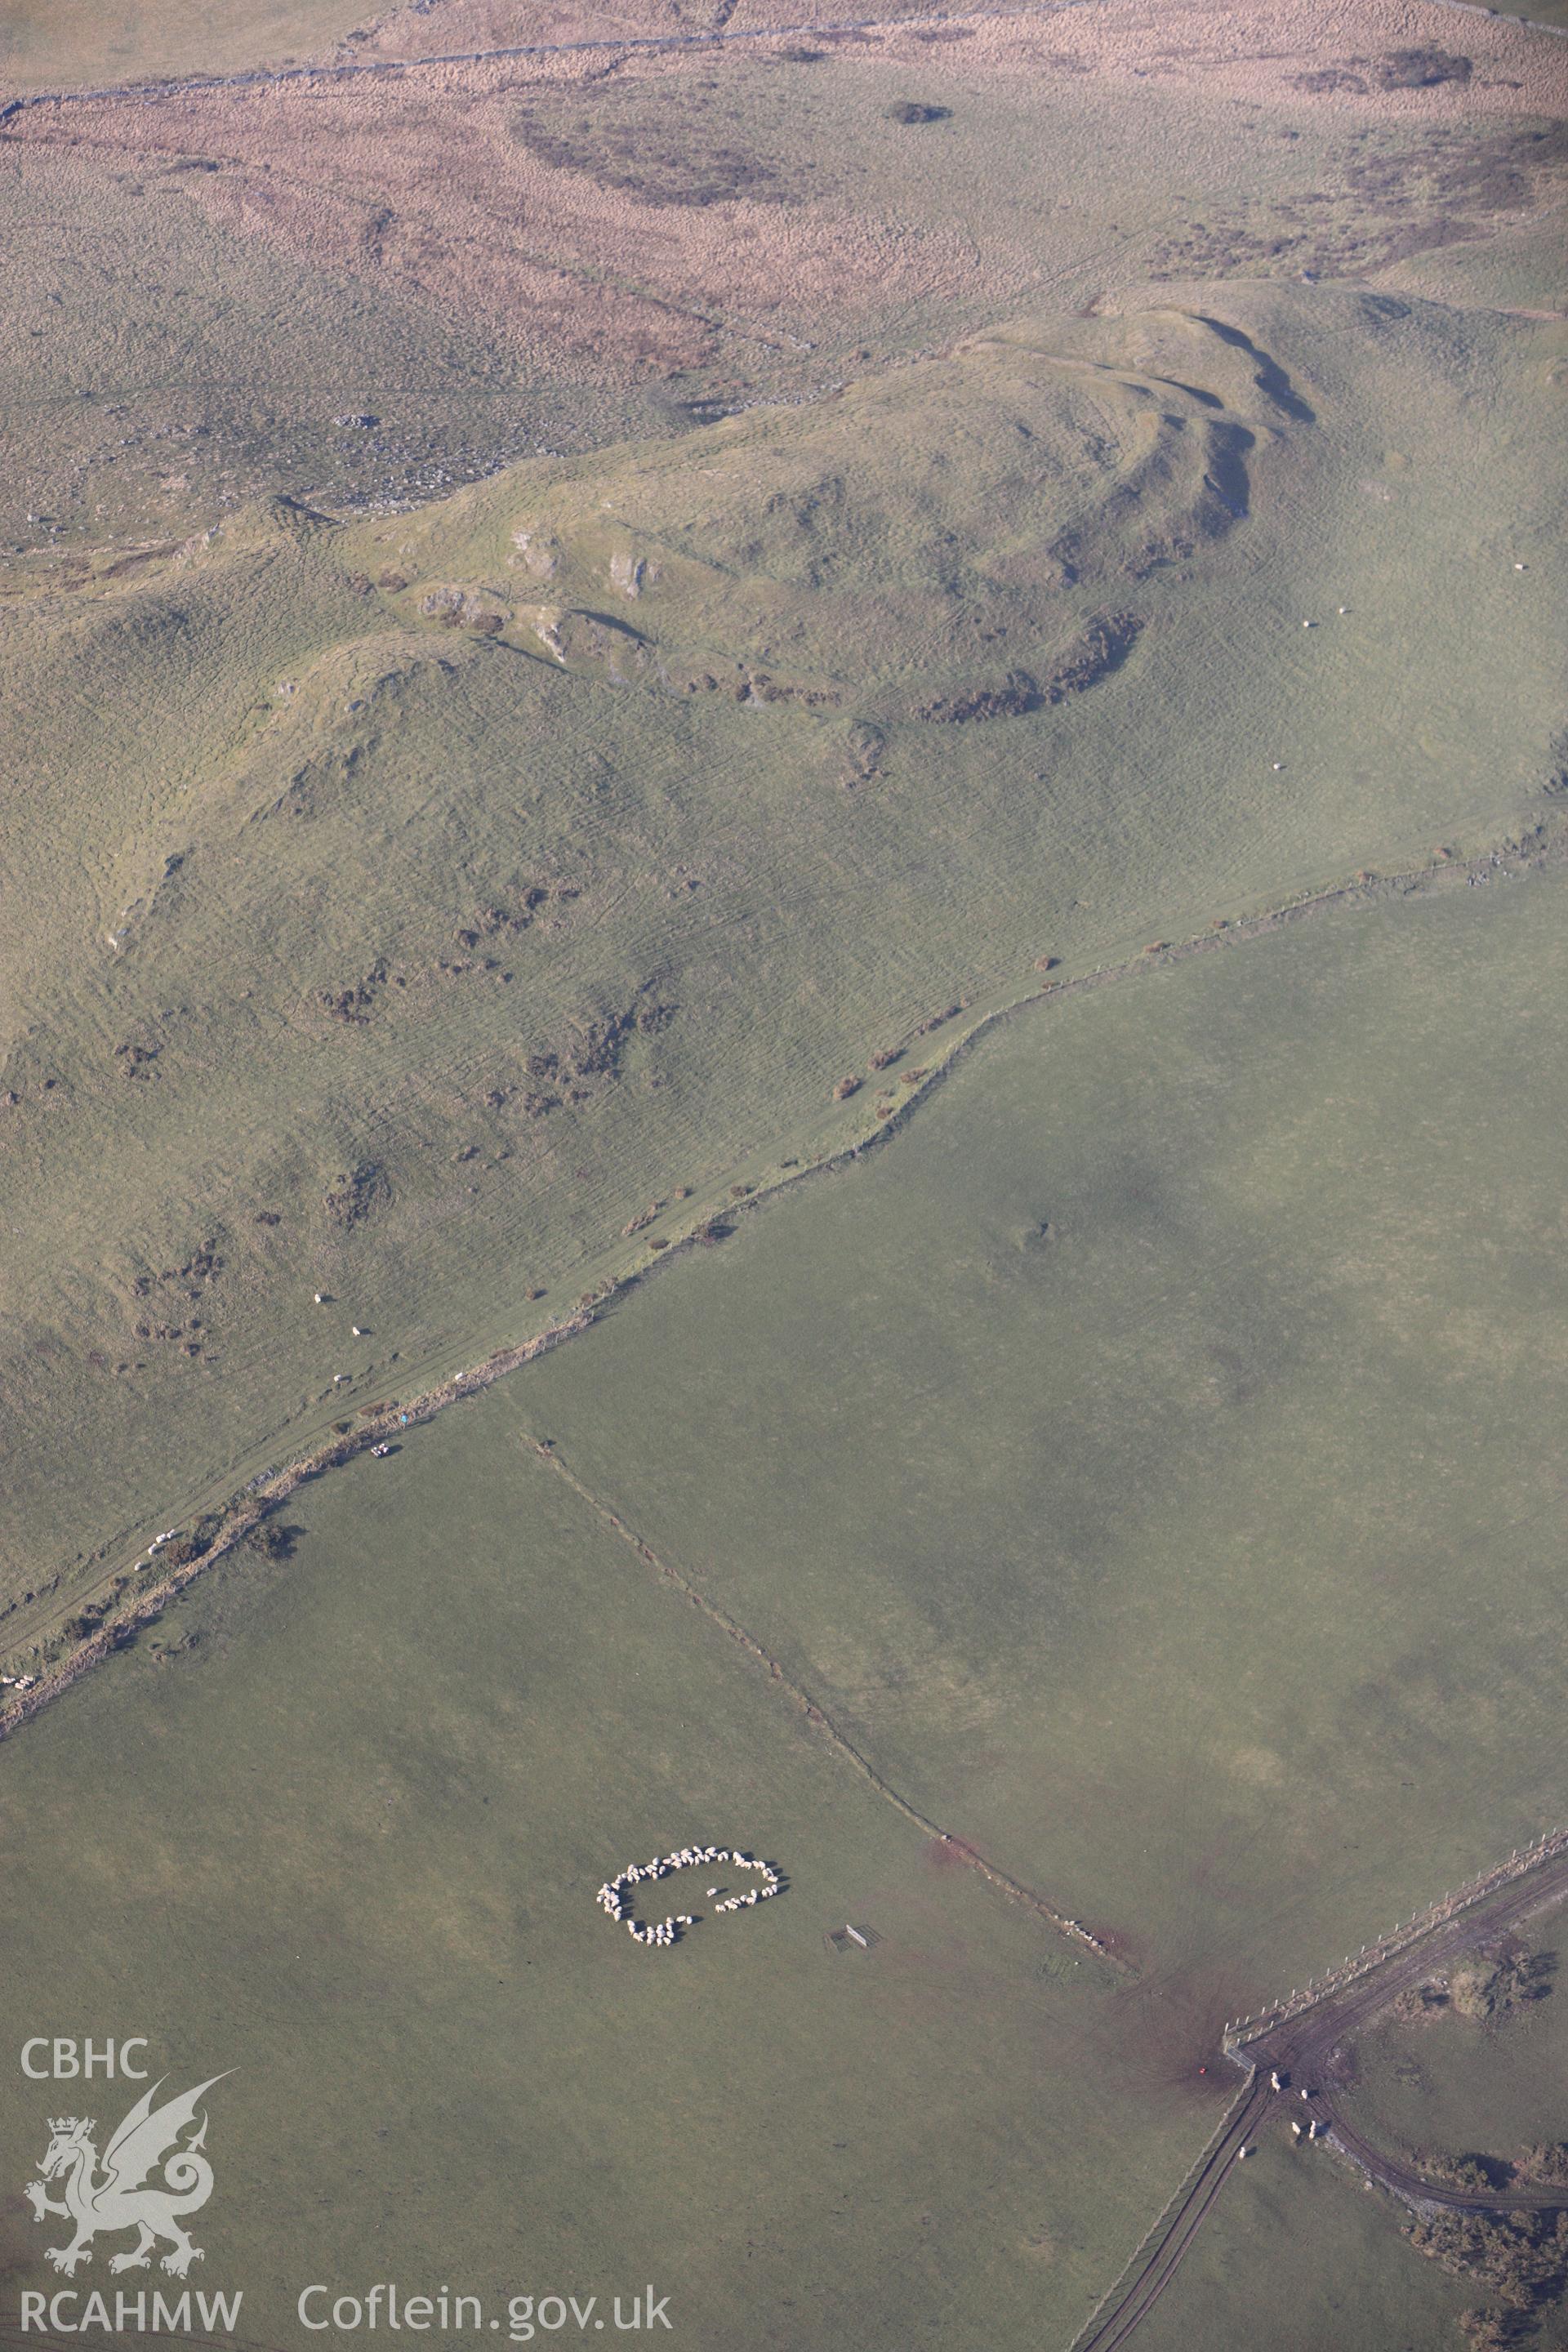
pixel 123 2196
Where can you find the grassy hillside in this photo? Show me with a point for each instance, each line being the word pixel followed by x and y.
pixel 444 892
pixel 1146 1460
pixel 163 368
pixel 365 289
pixel 575 628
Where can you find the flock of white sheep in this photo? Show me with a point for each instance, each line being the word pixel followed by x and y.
pixel 615 1900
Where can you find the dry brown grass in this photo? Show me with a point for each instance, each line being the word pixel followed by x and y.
pixel 604 209
pixel 476 188
pixel 1258 51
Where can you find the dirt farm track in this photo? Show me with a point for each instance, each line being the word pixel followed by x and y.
pixel 1297 2052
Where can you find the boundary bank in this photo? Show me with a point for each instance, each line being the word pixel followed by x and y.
pixel 252 77
pixel 125 1607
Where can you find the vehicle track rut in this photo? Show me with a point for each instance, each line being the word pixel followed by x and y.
pixel 1298 2050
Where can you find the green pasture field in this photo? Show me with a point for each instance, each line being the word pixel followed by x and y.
pixel 337 1825
pixel 252 1057
pixel 1298 2255
pixel 1147 1459
pixel 1527 270
pixel 1157 1499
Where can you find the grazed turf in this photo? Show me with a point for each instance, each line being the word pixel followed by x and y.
pixel 162 369
pixel 345 1840
pixel 270 979
pixel 1146 1460
pixel 1262 1346
pixel 1297 2255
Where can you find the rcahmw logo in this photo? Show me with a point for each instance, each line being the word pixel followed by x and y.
pixel 152 2175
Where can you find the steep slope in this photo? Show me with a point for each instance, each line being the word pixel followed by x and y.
pixel 427 916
